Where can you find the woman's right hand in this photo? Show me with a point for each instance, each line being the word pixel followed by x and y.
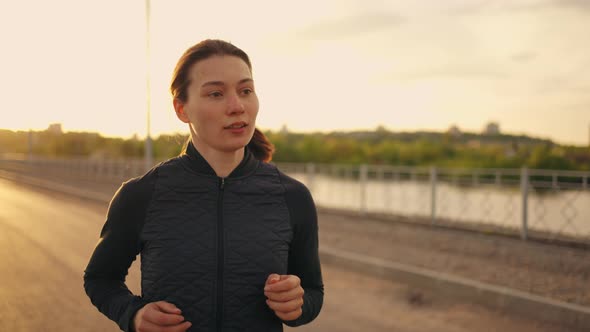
pixel 160 316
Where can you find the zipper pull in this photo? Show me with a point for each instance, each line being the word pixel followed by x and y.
pixel 222 183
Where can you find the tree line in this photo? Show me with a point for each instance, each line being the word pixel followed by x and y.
pixel 356 147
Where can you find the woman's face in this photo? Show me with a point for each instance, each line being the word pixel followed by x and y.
pixel 221 106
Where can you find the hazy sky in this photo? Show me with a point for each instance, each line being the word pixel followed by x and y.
pixel 318 65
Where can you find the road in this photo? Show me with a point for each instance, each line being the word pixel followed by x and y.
pixel 46 239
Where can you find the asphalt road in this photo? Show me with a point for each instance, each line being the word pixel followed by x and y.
pixel 46 239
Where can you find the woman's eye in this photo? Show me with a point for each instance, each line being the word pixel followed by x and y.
pixel 247 91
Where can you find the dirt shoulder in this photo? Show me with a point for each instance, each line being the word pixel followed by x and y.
pixel 548 270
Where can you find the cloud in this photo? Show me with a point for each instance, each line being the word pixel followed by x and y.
pixel 574 4
pixel 350 26
pixel 472 7
pixel 486 6
pixel 523 57
pixel 460 71
pixel 561 84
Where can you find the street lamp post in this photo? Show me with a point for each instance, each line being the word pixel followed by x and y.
pixel 149 158
pixel 30 147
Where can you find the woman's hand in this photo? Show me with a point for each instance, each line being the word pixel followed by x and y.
pixel 159 316
pixel 284 296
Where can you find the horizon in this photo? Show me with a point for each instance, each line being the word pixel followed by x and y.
pixel 318 130
pixel 343 66
pixel 290 131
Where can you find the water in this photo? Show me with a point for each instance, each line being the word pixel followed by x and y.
pixel 558 211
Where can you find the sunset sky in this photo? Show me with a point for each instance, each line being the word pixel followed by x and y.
pixel 318 65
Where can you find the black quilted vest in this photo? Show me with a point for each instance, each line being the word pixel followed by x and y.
pixel 208 244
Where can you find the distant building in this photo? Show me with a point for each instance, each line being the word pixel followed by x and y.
pixel 381 129
pixel 454 131
pixel 55 128
pixel 284 130
pixel 492 128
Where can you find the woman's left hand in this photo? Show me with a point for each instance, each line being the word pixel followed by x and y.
pixel 284 295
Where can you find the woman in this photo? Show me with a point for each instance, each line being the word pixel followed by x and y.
pixel 227 241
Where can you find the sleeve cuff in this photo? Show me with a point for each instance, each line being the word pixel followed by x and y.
pixel 126 322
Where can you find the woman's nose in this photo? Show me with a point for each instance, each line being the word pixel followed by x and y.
pixel 235 104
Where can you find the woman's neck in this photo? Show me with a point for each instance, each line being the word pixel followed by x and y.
pixel 223 163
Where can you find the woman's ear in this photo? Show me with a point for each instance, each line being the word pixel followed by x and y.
pixel 179 109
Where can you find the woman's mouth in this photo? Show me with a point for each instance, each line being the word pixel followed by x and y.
pixel 236 125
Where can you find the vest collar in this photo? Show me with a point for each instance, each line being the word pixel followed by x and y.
pixel 200 165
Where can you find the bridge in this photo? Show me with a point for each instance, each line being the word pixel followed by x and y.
pixel 380 274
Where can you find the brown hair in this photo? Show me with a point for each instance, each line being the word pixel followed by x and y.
pixel 259 145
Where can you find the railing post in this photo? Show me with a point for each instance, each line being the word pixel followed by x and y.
pixel 524 190
pixel 433 180
pixel 381 181
pixel 310 173
pixel 363 177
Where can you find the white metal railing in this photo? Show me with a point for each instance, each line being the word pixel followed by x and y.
pixel 550 204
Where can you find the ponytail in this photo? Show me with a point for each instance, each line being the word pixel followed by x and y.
pixel 185 145
pixel 259 145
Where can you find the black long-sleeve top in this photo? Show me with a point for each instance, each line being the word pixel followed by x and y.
pixel 207 244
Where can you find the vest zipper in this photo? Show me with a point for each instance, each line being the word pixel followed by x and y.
pixel 220 254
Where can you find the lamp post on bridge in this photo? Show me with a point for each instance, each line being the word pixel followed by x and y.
pixel 149 158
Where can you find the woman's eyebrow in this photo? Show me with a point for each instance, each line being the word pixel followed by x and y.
pixel 220 83
pixel 246 80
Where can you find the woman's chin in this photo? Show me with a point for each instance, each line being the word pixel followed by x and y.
pixel 234 145
pixel 238 141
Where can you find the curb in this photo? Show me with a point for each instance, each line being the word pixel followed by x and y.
pixel 497 297
pixel 56 186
